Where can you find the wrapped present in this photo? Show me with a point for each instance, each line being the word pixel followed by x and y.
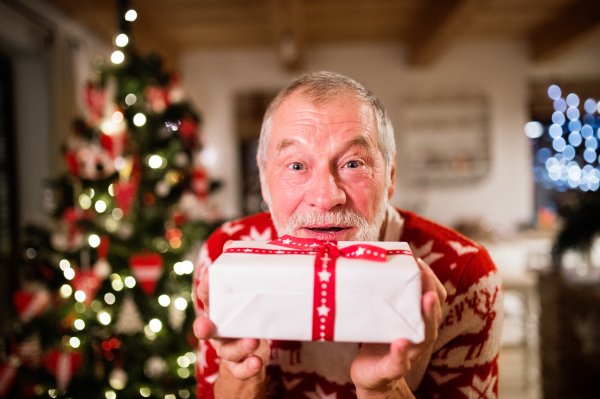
pixel 304 289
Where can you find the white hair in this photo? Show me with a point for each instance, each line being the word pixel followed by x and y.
pixel 323 87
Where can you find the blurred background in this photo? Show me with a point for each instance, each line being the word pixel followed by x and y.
pixel 128 131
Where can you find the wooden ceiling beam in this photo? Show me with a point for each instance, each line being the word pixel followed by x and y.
pixel 289 31
pixel 568 28
pixel 437 26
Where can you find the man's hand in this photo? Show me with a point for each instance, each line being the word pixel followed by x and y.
pixel 242 367
pixel 378 369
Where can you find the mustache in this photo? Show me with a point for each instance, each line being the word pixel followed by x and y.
pixel 341 218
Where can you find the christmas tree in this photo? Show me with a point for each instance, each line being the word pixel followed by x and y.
pixel 104 307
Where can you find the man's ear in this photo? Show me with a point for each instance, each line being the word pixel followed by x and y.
pixel 392 187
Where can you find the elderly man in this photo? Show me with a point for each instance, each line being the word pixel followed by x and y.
pixel 327 164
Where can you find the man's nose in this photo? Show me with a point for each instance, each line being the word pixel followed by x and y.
pixel 323 192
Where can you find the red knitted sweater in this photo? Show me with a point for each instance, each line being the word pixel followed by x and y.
pixel 463 361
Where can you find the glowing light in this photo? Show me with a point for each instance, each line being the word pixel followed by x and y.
pixel 155 325
pixel 79 296
pixel 574 172
pixel 130 99
pixel 155 162
pixel 178 268
pixel 130 15
pixel 555 131
pixel 117 117
pixel 145 392
pixel 104 318
pixel 122 40
pixel 191 356
pixel 108 127
pixel 109 298
pixel 574 126
pixel 117 57
pixel 575 139
pixel 533 129
pixel 560 105
pixel 554 92
pixel 117 285
pixel 569 152
pixel 111 190
pixel 573 113
pixel 139 119
pixel 170 396
pixel 591 143
pixel 129 282
pixel 110 395
pixel 100 206
pixel 572 100
pixel 558 118
pixel 587 131
pixel 183 373
pixel 164 300
pixel 66 291
pixel 79 324
pixel 598 109
pixel 559 144
pixel 188 267
pixel 175 242
pixel 74 342
pixel 85 201
pixel 111 225
pixel 589 105
pixel 119 163
pixel 92 192
pixel 117 213
pixel 69 274
pixel 183 361
pixel 589 155
pixel 64 264
pixel 180 303
pixel 94 240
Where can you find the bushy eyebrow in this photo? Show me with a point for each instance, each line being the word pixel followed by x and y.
pixel 359 140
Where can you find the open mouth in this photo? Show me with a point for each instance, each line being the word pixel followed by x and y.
pixel 326 230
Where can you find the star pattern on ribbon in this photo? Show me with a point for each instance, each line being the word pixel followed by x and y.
pixel 323 310
pixel 324 276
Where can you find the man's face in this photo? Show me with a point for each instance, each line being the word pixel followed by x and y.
pixel 325 172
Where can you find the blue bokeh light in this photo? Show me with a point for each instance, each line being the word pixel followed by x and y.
pixel 573 113
pixel 554 92
pixel 572 100
pixel 587 131
pixel 575 139
pixel 555 130
pixel 559 144
pixel 569 152
pixel 560 105
pixel 558 118
pixel 590 105
pixel 589 155
pixel 544 154
pixel 574 126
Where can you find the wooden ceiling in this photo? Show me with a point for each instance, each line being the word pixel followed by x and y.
pixel 426 27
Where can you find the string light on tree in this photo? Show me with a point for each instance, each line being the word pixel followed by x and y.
pixel 122 40
pixel 139 119
pixel 117 57
pixel 131 15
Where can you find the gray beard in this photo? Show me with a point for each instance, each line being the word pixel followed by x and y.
pixel 343 217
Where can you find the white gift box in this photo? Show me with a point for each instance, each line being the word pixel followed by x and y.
pixel 259 293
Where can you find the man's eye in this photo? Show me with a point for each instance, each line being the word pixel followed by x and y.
pixel 296 166
pixel 352 164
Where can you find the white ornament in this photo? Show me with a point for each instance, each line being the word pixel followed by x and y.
pixel 118 378
pixel 129 320
pixel 102 268
pixel 155 367
pixel 162 189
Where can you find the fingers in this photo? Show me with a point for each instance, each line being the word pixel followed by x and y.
pixel 244 357
pixel 236 350
pixel 204 328
pixel 246 369
pixel 202 291
pixel 432 316
pixel 430 282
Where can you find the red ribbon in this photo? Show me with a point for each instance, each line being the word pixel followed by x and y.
pixel 326 253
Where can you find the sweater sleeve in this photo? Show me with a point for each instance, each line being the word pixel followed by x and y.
pixel 464 363
pixel 207 361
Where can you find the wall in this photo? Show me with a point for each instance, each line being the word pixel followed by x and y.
pixel 497 70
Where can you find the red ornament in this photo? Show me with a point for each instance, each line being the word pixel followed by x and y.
pixel 147 267
pixel 88 282
pixel 63 365
pixel 178 218
pixel 114 143
pixel 94 99
pixel 30 304
pixel 188 132
pixel 125 192
pixel 72 163
pixel 158 98
pixel 199 183
pixel 8 373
